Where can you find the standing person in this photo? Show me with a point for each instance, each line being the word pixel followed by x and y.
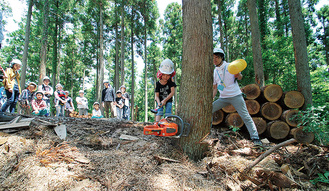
pixel 119 102
pixel 69 106
pixel 11 84
pixel 107 99
pixel 47 91
pixel 82 105
pixel 39 106
pixel 25 99
pixel 164 89
pixel 97 113
pixel 125 97
pixel 60 100
pixel 230 93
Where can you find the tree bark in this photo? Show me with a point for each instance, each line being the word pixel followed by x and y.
pixel 221 35
pixel 300 51
pixel 196 98
pixel 132 66
pixel 26 43
pixel 122 43
pixel 116 75
pixel 256 45
pixel 101 59
pixel 44 42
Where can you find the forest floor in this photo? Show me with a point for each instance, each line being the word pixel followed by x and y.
pixel 101 154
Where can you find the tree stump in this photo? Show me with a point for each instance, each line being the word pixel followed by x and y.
pixel 229 109
pixel 293 99
pixel 252 106
pixel 272 92
pixel 252 91
pixel 234 120
pixel 290 117
pixel 260 124
pixel 271 111
pixel 278 129
pixel 302 136
pixel 217 117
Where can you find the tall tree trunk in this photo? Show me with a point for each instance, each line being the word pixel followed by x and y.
pixel 145 76
pixel 116 73
pixel 26 43
pixel 44 42
pixel 101 59
pixel 122 43
pixel 220 23
pixel 132 103
pixel 55 46
pixel 262 22
pixel 256 45
pixel 279 26
pixel 300 51
pixel 196 98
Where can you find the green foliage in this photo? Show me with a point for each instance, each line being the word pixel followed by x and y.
pixel 324 178
pixel 234 128
pixel 316 120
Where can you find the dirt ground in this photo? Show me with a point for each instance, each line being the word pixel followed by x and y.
pixel 115 155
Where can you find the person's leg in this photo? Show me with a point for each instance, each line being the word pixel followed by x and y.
pixel 10 98
pixel 168 109
pixel 106 108
pixel 62 110
pixel 219 104
pixel 14 102
pixel 58 110
pixel 111 108
pixel 240 105
pixel 159 114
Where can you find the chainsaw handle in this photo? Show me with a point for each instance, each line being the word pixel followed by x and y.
pixel 181 122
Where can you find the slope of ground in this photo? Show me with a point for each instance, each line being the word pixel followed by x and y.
pixel 115 155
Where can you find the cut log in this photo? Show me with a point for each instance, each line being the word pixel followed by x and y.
pixel 278 129
pixel 302 136
pixel 234 120
pixel 252 106
pixel 271 111
pixel 290 117
pixel 252 91
pixel 19 125
pixel 217 117
pixel 260 124
pixel 293 99
pixel 272 92
pixel 229 109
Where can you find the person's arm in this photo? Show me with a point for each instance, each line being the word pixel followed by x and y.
pixel 157 98
pixel 238 76
pixel 214 90
pixel 164 101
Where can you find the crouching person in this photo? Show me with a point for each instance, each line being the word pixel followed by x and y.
pixel 39 106
pixel 25 99
pixel 97 113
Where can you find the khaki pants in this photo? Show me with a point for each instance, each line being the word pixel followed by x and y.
pixel 107 107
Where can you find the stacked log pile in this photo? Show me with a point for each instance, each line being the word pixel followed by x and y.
pixel 272 110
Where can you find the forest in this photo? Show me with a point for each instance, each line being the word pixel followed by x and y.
pixel 81 43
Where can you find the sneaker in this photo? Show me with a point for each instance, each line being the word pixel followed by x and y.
pixel 257 142
pixel 154 110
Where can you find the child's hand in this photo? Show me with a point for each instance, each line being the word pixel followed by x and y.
pixel 36 112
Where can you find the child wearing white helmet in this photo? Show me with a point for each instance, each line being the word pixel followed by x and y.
pixel 82 104
pixel 60 100
pixel 47 91
pixel 164 89
pixel 39 106
pixel 226 84
pixel 11 84
pixel 26 97
pixel 97 113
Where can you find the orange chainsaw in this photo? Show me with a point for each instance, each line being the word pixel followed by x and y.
pixel 171 126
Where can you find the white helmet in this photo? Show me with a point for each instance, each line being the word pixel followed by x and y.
pixel 167 67
pixel 59 85
pixel 219 50
pixel 46 78
pixel 16 61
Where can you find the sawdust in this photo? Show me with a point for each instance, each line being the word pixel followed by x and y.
pixel 94 157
